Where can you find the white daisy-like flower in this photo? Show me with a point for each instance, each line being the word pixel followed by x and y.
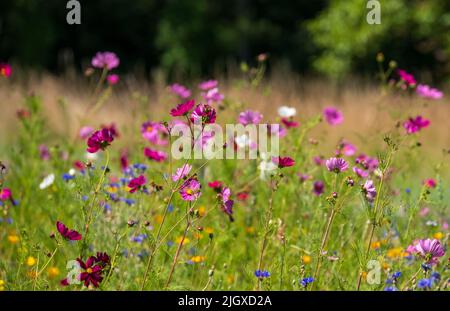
pixel 287 112
pixel 47 181
pixel 266 166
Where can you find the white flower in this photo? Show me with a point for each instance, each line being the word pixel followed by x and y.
pixel 72 172
pixel 47 181
pixel 287 112
pixel 267 167
pixel 91 156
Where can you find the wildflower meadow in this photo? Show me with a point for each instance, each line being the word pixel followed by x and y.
pixel 352 192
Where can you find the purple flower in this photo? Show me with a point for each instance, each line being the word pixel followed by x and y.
pixel 430 250
pixel 413 125
pixel 99 140
pixel 428 92
pixel 283 162
pixel 190 190
pixel 107 60
pixel 180 90
pixel 182 109
pixel 346 149
pixel 250 117
pixel 203 114
pixel 333 116
pixel 369 190
pixel 262 274
pixel 207 85
pixel 336 165
pixel 154 132
pixel 155 155
pixel 360 172
pixel 212 96
pixel 182 172
pixel 137 183
pixel 318 187
pixel 44 152
pixel 227 204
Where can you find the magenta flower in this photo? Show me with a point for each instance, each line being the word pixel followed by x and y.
pixel 226 203
pixel 182 109
pixel 283 162
pixel 137 183
pixel 124 162
pixel 155 155
pixel 333 116
pixel 203 114
pixel 369 190
pixel 368 163
pixel 276 129
pixel 318 160
pixel 112 129
pixel 190 190
pixel 112 79
pixel 413 125
pixel 430 183
pixel 207 85
pixel 182 172
pixel 99 140
pixel 336 165
pixel 180 90
pixel 44 152
pixel 428 92
pixel 5 194
pixel 346 148
pixel 154 133
pixel 212 96
pixel 66 233
pixel 85 132
pixel 318 187
pixel 289 123
pixel 92 273
pixel 429 250
pixel 406 77
pixel 107 60
pixel 216 185
pixel 360 172
pixel 5 70
pixel 250 117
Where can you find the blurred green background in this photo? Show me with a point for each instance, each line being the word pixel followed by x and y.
pixel 200 37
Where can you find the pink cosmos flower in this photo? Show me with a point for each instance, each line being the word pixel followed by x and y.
pixel 289 123
pixel 5 194
pixel 346 148
pixel 112 129
pixel 137 183
pixel 333 116
pixel 336 165
pixel 318 160
pixel 406 77
pixel 369 190
pixel 203 114
pixel 216 185
pixel 430 183
pixel 368 163
pixel 107 60
pixel 124 163
pixel 250 117
pixel 283 162
pixel 212 96
pixel 318 187
pixel 226 203
pixel 424 211
pixel 180 90
pixel 155 155
pixel 182 172
pixel 276 130
pixel 66 233
pixel 154 133
pixel 112 79
pixel 5 70
pixel 99 140
pixel 428 92
pixel 207 85
pixel 44 152
pixel 429 250
pixel 85 132
pixel 413 125
pixel 360 172
pixel 182 109
pixel 190 190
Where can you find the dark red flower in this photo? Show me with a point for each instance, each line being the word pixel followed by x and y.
pixel 99 140
pixel 182 109
pixel 103 259
pixel 289 123
pixel 242 196
pixel 284 162
pixel 79 165
pixel 124 163
pixel 112 129
pixel 92 273
pixel 216 185
pixel 66 233
pixel 137 183
pixel 155 155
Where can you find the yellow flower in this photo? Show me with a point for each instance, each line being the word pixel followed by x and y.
pixel 198 235
pixel 364 275
pixel 13 238
pixel 396 252
pixel 306 259
pixel 198 259
pixel 250 230
pixel 375 245
pixel 201 211
pixel 53 272
pixel 158 219
pixel 230 279
pixel 438 235
pixel 31 261
pixel 2 285
pixel 385 266
pixel 178 240
pixel 209 230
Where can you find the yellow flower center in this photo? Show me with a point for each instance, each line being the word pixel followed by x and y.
pixel 89 270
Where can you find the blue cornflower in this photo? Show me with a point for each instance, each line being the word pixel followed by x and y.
pixel 408 191
pixel 396 275
pixel 304 282
pixel 390 289
pixel 139 238
pixel 424 283
pixel 262 274
pixel 426 267
pixel 139 166
pixel 435 277
pixel 67 177
pixel 169 243
pixel 129 202
pixel 170 208
pixel 84 197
